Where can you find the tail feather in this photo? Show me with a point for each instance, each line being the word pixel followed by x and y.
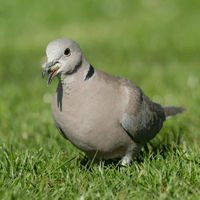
pixel 170 111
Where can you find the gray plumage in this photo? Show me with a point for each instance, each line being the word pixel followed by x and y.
pixel 97 111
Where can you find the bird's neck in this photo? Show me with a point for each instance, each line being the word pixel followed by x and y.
pixel 83 74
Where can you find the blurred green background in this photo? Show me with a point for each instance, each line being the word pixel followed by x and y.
pixel 155 43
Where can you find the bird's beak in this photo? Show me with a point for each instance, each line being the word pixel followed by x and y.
pixel 46 66
pixel 51 68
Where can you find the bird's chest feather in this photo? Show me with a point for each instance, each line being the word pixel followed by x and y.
pixel 70 115
pixel 82 121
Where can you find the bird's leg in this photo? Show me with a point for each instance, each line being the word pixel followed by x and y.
pixel 126 160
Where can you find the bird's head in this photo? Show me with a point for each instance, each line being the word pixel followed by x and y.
pixel 64 56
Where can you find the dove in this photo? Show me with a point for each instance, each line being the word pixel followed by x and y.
pixel 103 115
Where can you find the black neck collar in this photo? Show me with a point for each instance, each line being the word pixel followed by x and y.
pixel 90 73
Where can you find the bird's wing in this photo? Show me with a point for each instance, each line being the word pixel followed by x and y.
pixel 142 119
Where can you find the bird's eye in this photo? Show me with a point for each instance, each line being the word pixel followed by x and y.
pixel 67 51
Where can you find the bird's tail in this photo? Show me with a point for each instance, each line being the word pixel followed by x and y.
pixel 170 111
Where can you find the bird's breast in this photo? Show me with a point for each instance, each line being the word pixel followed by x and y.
pixel 86 118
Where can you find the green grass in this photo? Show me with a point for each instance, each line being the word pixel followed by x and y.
pixel 156 44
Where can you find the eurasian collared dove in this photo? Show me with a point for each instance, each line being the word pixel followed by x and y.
pixel 99 112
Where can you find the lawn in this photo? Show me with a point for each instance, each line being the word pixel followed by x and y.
pixel 154 43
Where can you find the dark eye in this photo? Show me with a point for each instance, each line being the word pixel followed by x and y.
pixel 67 51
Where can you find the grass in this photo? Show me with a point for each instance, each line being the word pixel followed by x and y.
pixel 153 43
